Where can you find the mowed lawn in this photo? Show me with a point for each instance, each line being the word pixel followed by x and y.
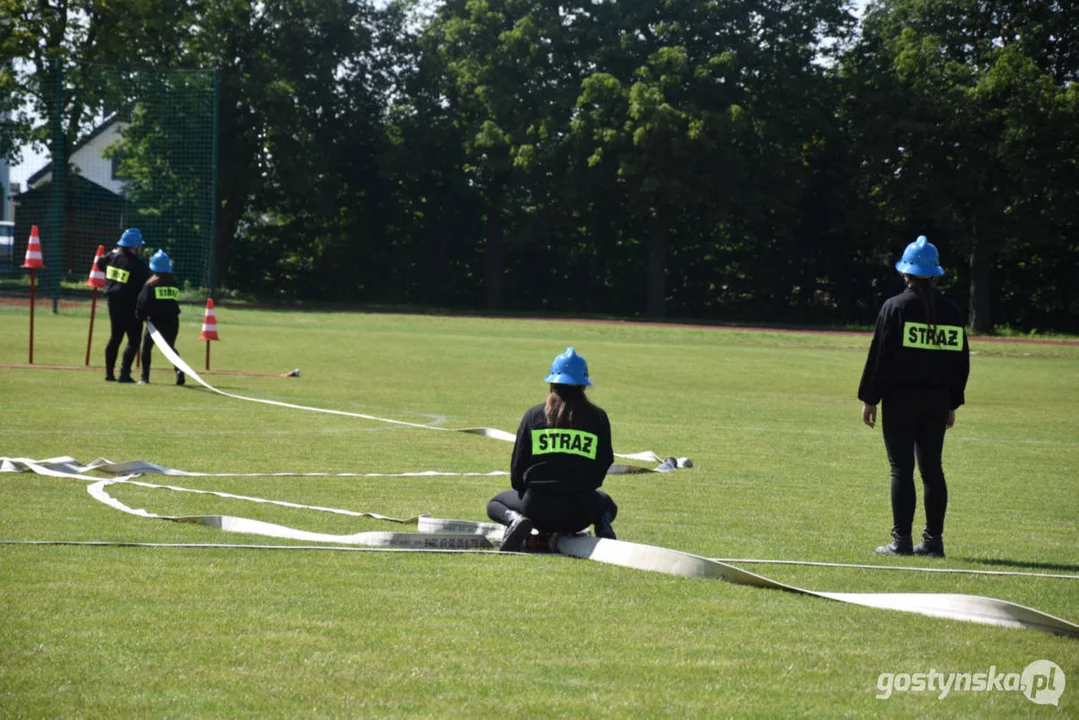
pixel 784 469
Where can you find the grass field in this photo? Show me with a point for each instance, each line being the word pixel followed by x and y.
pixel 784 470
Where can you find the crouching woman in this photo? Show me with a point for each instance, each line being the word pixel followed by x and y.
pixel 560 459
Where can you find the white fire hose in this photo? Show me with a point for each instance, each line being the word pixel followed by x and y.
pixel 433 534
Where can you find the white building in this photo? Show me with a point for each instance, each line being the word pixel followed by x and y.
pixel 87 159
pixel 96 210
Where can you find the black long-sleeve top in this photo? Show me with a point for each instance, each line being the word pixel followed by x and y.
pixel 561 460
pixel 159 299
pixel 904 351
pixel 125 274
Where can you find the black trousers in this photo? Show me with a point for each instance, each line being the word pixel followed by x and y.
pixel 913 422
pixel 551 512
pixel 123 323
pixel 169 329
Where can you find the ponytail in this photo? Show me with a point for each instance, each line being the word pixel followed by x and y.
pixel 566 406
pixel 925 289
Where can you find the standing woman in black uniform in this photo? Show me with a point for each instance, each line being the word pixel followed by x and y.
pixel 560 459
pixel 125 274
pixel 159 301
pixel 918 365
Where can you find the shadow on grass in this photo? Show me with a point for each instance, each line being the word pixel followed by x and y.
pixel 1019 563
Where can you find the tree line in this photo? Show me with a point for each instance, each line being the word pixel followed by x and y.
pixel 738 160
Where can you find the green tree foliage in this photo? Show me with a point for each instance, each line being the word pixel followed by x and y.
pixel 57 85
pixel 38 40
pixel 966 112
pixel 749 160
pixel 301 113
pixel 301 107
pixel 165 161
pixel 310 112
pixel 507 73
pixel 700 113
pixel 434 215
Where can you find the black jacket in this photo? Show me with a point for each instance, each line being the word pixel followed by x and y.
pixel 125 274
pixel 159 301
pixel 904 353
pixel 559 460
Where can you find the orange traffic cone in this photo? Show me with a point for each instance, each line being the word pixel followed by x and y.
pixel 33 251
pixel 209 328
pixel 97 278
pixel 209 322
pixel 33 262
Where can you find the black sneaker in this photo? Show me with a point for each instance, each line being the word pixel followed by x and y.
pixel 900 545
pixel 179 378
pixel 516 534
pixel 126 379
pixel 604 529
pixel 930 546
pixel 109 377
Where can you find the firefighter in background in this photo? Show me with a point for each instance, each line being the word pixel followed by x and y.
pixel 560 459
pixel 917 367
pixel 125 274
pixel 159 301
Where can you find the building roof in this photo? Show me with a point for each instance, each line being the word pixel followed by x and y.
pixel 110 120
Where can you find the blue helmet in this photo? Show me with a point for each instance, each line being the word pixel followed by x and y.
pixel 920 258
pixel 160 262
pixel 569 368
pixel 131 238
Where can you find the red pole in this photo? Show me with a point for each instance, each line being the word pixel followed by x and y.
pixel 32 300
pixel 89 339
pixel 207 354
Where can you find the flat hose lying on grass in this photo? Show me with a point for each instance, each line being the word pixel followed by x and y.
pixel 666 464
pixel 434 534
pixel 464 535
